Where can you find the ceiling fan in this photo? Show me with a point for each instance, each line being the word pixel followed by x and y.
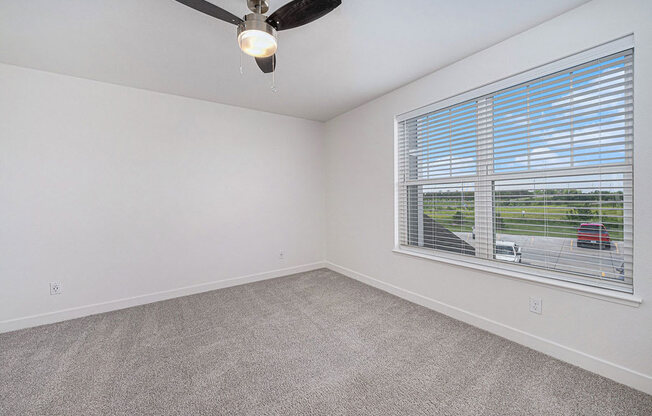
pixel 257 32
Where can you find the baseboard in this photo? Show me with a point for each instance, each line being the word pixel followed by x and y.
pixel 80 311
pixel 626 376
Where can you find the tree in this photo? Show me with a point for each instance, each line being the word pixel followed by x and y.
pixel 500 223
pixel 457 218
pixel 581 214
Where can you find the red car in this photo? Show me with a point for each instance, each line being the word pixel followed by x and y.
pixel 593 234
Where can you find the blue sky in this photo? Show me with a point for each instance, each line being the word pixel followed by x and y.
pixel 529 125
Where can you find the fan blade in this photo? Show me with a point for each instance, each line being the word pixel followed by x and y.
pixel 212 10
pixel 300 12
pixel 268 64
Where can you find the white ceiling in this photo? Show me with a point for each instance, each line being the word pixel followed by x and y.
pixel 360 51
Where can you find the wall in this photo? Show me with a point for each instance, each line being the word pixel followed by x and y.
pixel 605 337
pixel 127 196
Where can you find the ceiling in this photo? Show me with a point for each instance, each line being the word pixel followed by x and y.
pixel 358 52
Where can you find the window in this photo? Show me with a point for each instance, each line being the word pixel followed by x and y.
pixel 532 174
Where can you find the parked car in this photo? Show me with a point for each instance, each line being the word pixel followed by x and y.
pixel 508 251
pixel 593 234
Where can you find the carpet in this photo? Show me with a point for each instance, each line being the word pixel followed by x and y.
pixel 315 343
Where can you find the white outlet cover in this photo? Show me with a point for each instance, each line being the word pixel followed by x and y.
pixel 535 305
pixel 55 288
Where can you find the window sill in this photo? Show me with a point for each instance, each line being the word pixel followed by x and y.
pixel 580 289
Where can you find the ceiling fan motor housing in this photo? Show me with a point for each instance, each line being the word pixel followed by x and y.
pixel 255 21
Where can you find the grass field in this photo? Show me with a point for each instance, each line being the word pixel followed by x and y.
pixel 531 216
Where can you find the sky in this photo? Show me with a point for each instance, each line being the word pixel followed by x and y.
pixel 559 121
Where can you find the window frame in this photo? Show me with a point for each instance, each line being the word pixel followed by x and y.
pixel 565 280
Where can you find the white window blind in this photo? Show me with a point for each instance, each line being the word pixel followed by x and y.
pixel 536 176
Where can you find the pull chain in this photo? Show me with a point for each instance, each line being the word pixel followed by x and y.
pixel 241 70
pixel 273 88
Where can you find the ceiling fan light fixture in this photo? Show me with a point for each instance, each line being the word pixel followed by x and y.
pixel 256 37
pixel 257 43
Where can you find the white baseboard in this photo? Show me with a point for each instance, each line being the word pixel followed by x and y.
pixel 80 311
pixel 626 376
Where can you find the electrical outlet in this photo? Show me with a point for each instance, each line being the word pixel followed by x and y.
pixel 535 305
pixel 55 288
pixel 281 254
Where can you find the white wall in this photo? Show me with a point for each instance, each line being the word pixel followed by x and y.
pixel 605 337
pixel 120 193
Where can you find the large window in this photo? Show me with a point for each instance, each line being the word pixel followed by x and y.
pixel 532 175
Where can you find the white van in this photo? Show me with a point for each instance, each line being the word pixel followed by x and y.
pixel 508 251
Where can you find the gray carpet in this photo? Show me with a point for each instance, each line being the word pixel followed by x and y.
pixel 315 343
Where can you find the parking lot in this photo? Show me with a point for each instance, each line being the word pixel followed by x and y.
pixel 564 255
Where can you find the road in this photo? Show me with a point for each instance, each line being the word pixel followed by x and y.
pixel 563 254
